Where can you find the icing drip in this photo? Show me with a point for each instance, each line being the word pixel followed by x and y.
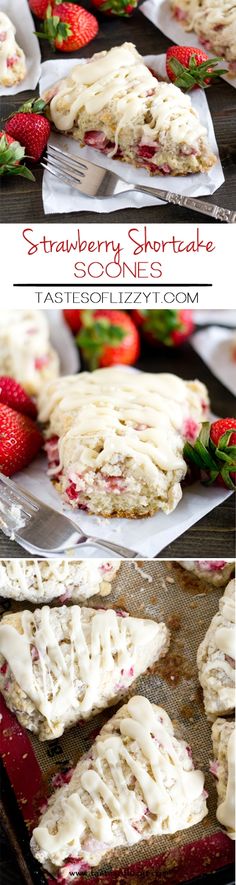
pixel 138 769
pixel 119 78
pixel 72 659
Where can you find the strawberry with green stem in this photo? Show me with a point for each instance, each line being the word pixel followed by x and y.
pixel 116 7
pixel 188 66
pixel 107 338
pixel 213 455
pixel 68 26
pixel 11 154
pixel 30 127
pixel 166 327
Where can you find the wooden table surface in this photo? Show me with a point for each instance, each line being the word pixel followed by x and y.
pixel 21 201
pixel 212 536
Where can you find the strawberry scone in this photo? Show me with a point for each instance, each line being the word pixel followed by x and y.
pixel 56 579
pixel 114 104
pixel 115 438
pixel 12 58
pixel 60 665
pixel 214 571
pixel 138 780
pixel 214 22
pixel 25 350
pixel 216 659
pixel 223 769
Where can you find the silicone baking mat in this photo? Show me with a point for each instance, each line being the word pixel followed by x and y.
pixel 163 591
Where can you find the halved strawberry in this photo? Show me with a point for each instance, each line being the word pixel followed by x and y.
pixel 213 456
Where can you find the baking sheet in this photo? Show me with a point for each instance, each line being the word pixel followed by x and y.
pixel 160 14
pixel 19 13
pixel 58 197
pixel 187 604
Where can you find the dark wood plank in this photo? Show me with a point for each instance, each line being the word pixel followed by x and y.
pixel 21 201
pixel 212 536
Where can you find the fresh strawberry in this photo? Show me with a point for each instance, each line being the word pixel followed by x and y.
pixel 30 127
pixel 68 26
pixel 14 396
pixel 39 7
pixel 116 7
pixel 73 319
pixel 108 337
pixel 169 327
pixel 11 154
pixel 213 455
pixel 20 440
pixel 188 66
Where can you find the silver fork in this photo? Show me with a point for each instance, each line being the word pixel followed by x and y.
pixel 40 529
pixel 92 180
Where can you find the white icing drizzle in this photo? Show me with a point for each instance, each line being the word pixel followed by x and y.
pixel 138 768
pixel 9 49
pixel 72 658
pixel 113 412
pixel 24 340
pixel 226 809
pixel 119 79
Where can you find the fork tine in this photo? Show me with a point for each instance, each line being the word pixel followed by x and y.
pixel 65 157
pixel 66 179
pixel 58 164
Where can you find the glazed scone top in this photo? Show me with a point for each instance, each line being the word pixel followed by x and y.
pixel 139 415
pixel 8 44
pixel 49 579
pixel 59 657
pixel 120 78
pixel 139 740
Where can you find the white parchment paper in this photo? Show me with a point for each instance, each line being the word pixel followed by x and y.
pixel 217 347
pixel 19 13
pixel 160 14
pixel 58 197
pixel 146 536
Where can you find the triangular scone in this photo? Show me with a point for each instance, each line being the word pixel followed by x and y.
pixel 63 664
pixel 115 438
pixel 12 57
pixel 138 780
pixel 55 578
pixel 115 104
pixel 25 350
pixel 214 22
pixel 223 768
pixel 216 659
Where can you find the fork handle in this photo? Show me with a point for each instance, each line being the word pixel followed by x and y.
pixel 108 545
pixel 197 205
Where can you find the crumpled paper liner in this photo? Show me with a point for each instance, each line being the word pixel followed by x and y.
pixel 160 14
pixel 19 13
pixel 58 197
pixel 162 591
pixel 217 347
